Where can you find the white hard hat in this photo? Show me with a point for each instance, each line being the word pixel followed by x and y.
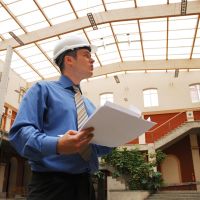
pixel 70 43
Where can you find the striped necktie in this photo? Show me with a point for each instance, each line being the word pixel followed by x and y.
pixel 81 119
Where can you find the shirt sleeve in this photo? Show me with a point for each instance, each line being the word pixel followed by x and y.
pixel 26 134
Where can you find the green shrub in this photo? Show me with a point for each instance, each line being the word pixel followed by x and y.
pixel 133 166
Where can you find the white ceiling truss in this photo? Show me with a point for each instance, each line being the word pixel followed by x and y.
pixel 131 35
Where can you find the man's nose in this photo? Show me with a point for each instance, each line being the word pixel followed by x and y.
pixel 92 60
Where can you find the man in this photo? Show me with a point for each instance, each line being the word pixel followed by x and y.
pixel 48 110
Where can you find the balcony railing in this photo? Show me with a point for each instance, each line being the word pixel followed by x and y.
pixel 166 127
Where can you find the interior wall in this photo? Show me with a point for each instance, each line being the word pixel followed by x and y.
pixel 182 150
pixel 15 82
pixel 1 68
pixel 1 65
pixel 173 93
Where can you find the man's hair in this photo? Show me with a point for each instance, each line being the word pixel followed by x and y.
pixel 73 53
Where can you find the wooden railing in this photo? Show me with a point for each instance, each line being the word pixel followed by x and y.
pixel 166 127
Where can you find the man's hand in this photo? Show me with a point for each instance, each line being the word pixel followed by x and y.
pixel 74 141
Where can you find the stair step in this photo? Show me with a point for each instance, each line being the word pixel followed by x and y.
pixel 176 132
pixel 175 195
pixel 178 191
pixel 173 198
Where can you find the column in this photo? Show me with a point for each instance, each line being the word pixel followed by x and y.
pixel 5 79
pixel 152 150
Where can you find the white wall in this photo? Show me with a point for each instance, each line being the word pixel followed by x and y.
pixel 173 93
pixel 1 68
pixel 14 84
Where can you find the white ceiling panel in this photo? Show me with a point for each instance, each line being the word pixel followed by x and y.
pixel 4 14
pixel 116 4
pixel 31 18
pixel 89 6
pixel 21 7
pixel 8 25
pixel 149 3
pixel 64 9
pixel 48 3
pixel 132 39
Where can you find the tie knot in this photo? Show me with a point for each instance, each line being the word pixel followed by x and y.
pixel 76 88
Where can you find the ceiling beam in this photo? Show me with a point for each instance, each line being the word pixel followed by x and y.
pixel 141 40
pixel 167 40
pixel 194 39
pixel 146 12
pixel 24 29
pixel 148 65
pixel 117 45
pixel 29 64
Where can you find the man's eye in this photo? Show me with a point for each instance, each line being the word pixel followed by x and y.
pixel 88 56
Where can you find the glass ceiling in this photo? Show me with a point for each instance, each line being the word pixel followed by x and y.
pixel 162 38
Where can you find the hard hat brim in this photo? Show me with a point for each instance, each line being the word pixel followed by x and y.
pixel 93 49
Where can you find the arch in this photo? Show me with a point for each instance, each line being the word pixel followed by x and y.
pixel 170 169
pixel 124 14
pixel 107 96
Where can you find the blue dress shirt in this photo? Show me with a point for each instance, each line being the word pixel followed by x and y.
pixel 47 110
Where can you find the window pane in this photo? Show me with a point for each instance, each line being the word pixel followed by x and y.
pixel 195 93
pixel 106 97
pixel 150 97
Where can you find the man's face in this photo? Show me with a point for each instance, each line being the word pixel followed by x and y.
pixel 82 65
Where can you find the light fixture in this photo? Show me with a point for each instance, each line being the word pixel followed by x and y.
pixel 125 99
pixel 129 40
pixel 116 79
pixel 92 21
pixel 176 73
pixel 21 93
pixel 183 7
pixel 103 43
pixel 16 38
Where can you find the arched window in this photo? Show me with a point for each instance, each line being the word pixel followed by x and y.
pixel 106 97
pixel 150 97
pixel 195 92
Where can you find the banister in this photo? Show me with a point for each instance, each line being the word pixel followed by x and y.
pixel 166 122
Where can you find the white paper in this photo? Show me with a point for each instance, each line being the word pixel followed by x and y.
pixel 115 125
pixel 135 110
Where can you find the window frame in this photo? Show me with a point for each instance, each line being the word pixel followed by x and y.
pixel 106 99
pixel 197 92
pixel 150 98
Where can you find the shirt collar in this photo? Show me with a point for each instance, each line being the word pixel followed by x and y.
pixel 66 82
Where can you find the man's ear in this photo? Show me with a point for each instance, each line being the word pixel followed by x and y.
pixel 68 60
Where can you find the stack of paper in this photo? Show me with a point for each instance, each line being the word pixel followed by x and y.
pixel 115 125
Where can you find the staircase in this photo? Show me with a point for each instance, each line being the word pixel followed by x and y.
pixel 176 133
pixel 175 195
